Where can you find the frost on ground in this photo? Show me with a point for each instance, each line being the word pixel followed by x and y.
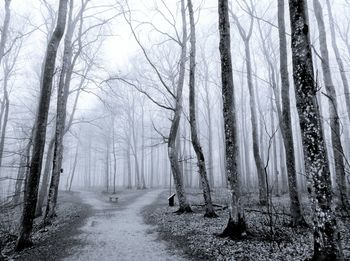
pixel 118 232
pixel 197 236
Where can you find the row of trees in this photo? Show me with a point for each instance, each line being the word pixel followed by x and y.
pixel 267 139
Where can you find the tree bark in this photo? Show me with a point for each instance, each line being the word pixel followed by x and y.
pixel 236 226
pixel 28 213
pixel 326 237
pixel 209 209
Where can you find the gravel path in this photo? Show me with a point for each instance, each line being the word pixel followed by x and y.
pixel 118 232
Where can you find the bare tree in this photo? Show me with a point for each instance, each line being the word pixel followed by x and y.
pixel 339 58
pixel 236 226
pixel 209 209
pixel 286 124
pixel 4 29
pixel 254 120
pixel 326 237
pixel 40 130
pixel 335 123
pixel 176 108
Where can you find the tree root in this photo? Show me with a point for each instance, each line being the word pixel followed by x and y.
pixel 186 209
pixel 234 230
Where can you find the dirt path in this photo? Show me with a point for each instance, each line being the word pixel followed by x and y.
pixel 117 232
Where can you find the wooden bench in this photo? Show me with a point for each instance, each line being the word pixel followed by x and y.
pixel 171 200
pixel 113 198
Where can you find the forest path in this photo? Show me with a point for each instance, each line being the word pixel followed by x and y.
pixel 117 231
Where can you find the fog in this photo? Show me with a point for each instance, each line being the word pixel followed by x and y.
pixel 124 95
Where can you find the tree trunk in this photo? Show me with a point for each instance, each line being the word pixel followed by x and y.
pixel 339 60
pixel 338 152
pixel 209 209
pixel 286 124
pixel 6 116
pixel 275 170
pixel 46 178
pixel 23 166
pixel 114 157
pixel 74 167
pixel 326 237
pixel 254 120
pixel 210 124
pixel 5 28
pixel 257 152
pixel 28 213
pixel 143 180
pixel 107 166
pixel 62 98
pixel 128 151
pixel 236 226
pixel 151 184
pixel 172 148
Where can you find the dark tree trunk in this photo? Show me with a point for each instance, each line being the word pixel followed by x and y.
pixel 326 237
pixel 33 179
pixel 236 226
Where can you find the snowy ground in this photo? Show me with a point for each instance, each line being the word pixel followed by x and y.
pixel 117 232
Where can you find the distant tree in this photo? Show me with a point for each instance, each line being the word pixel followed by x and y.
pixel 176 95
pixel 246 36
pixel 335 124
pixel 339 58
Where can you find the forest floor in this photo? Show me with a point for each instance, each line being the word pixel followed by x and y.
pixel 197 237
pixel 50 242
pixel 89 227
pixel 116 231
